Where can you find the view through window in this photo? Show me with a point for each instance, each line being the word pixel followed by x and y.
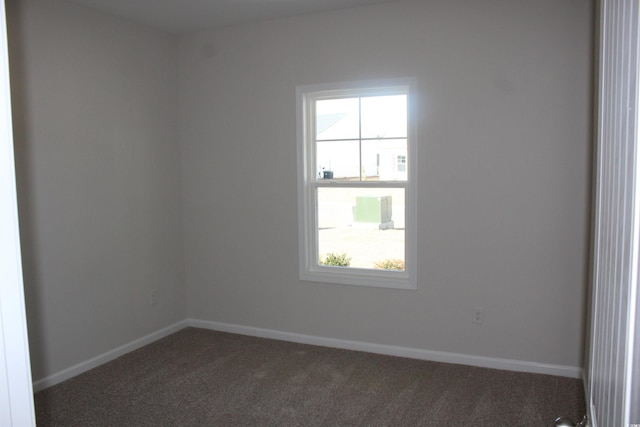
pixel 356 145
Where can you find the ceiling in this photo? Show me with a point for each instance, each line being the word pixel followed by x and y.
pixel 182 16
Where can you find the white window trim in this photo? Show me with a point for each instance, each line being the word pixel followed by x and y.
pixel 307 229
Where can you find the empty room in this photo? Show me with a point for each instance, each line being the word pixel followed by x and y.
pixel 289 212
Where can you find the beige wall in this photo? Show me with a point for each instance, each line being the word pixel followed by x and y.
pixel 504 155
pixel 129 141
pixel 95 106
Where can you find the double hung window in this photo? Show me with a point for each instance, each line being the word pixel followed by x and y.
pixel 356 181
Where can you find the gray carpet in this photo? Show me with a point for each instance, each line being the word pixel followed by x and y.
pixel 197 377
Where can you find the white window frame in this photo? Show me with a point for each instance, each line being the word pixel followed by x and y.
pixel 309 268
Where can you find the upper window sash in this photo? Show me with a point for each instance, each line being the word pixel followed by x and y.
pixel 351 118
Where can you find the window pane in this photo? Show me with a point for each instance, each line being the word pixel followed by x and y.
pixel 384 116
pixel 365 224
pixel 380 160
pixel 337 119
pixel 338 160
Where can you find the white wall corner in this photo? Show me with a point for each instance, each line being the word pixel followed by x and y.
pixel 108 356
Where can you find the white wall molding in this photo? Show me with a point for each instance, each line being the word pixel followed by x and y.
pixel 390 350
pixel 409 352
pixel 616 221
pixel 108 356
pixel 16 394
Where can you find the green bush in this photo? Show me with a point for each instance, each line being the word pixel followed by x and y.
pixel 336 260
pixel 390 264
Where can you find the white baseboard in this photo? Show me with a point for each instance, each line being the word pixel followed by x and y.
pixel 413 353
pixel 103 358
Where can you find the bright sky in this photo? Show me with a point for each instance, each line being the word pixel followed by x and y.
pixel 382 116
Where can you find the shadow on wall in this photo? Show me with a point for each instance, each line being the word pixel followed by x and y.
pixel 24 182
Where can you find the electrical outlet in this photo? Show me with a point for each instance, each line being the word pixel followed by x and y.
pixel 478 315
pixel 153 297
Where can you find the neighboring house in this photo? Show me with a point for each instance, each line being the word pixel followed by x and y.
pixel 386 160
pixel 383 157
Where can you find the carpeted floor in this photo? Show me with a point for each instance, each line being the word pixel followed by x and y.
pixel 197 377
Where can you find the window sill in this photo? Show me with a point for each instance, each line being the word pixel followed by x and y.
pixel 361 277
